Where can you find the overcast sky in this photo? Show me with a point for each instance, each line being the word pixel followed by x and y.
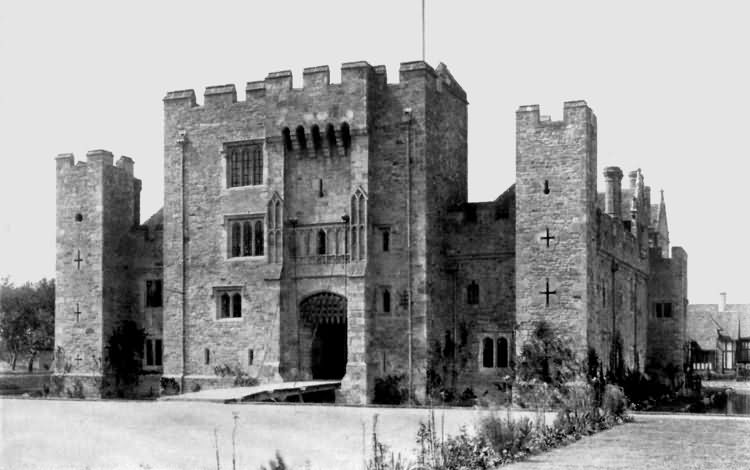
pixel 669 82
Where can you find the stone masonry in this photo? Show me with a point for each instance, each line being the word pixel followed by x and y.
pixel 325 233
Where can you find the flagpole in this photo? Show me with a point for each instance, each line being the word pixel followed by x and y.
pixel 423 45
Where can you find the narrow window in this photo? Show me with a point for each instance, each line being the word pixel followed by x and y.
pixel 301 139
pixel 667 309
pixel 386 301
pixel 546 186
pixel 346 138
pixel 331 138
pixel 235 169
pixel 316 138
pixel 472 293
pixel 258 238
pixel 157 352
pixel 149 353
pixel 386 233
pixel 353 242
pixel 245 167
pixel 224 306
pixel 487 352
pixel 207 356
pixel 320 188
pixel 286 136
pixel 236 238
pixel 250 357
pixel 657 310
pixel 153 293
pixel 321 242
pixel 257 166
pixel 247 236
pixel 236 306
pixel 502 352
pixel 449 345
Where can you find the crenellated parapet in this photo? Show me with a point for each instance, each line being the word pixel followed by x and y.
pixel 355 78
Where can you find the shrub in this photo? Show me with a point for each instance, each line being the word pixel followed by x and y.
pixel 169 386
pixel 614 402
pixel 388 390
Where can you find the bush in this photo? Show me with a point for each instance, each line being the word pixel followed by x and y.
pixel 388 390
pixel 614 403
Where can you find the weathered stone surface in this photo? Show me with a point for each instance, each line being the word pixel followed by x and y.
pixel 345 166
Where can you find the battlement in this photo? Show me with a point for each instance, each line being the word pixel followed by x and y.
pixel 354 76
pixel 574 112
pixel 95 157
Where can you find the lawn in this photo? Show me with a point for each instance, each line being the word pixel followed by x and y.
pixel 121 434
pixel 656 442
pixel 71 434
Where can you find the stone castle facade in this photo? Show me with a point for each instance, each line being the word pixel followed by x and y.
pixel 325 233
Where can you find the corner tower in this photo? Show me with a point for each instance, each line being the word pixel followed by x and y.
pixel 555 203
pixel 97 205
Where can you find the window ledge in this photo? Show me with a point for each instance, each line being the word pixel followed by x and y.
pixel 246 258
pixel 229 319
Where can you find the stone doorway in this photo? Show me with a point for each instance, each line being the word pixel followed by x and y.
pixel 324 315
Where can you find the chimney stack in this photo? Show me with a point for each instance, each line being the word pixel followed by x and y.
pixel 722 302
pixel 613 193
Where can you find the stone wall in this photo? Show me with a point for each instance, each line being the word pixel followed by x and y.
pixel 555 191
pixel 667 336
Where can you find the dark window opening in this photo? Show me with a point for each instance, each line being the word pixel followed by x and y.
pixel 321 242
pixel 234 160
pixel 157 352
pixel 301 139
pixel 546 186
pixel 502 352
pixel 236 238
pixel 316 138
pixel 449 345
pixel 224 313
pixel 487 352
pixel 236 306
pixel 245 179
pixel 331 138
pixel 250 357
pixel 258 238
pixel 79 217
pixel 472 293
pixel 628 224
pixel 386 233
pixel 247 239
pixel 154 293
pixel 386 301
pixel 207 356
pixel 286 136
pixel 257 166
pixel 320 188
pixel 346 138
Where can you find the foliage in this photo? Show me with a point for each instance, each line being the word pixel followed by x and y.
pixel 125 354
pixel 546 358
pixel 169 386
pixel 389 391
pixel 241 378
pixel 27 318
pixel 276 464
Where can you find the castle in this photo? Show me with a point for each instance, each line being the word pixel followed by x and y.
pixel 325 233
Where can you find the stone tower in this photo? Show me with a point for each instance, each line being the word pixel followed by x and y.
pixel 97 205
pixel 555 201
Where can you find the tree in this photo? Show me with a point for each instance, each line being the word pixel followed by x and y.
pixel 27 318
pixel 125 354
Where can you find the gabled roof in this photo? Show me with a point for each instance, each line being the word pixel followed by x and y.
pixel 705 323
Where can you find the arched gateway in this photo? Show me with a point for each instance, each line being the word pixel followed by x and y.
pixel 325 315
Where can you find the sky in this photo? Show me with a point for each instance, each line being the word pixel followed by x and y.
pixel 669 82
